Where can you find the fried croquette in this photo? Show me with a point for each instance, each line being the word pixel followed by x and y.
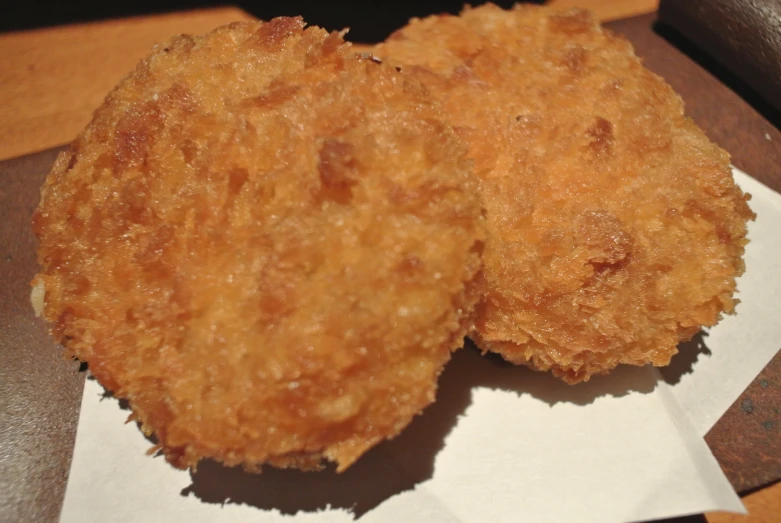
pixel 267 244
pixel 615 228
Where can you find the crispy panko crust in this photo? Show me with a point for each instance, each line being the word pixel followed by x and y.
pixel 267 244
pixel 615 229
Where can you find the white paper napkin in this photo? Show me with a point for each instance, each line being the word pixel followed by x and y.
pixel 502 443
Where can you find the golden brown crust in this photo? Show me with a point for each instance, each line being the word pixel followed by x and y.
pixel 615 227
pixel 268 245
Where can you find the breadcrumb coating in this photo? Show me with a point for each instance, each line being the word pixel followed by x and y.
pixel 615 229
pixel 267 244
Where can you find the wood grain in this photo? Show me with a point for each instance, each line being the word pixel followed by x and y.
pixel 747 439
pixel 53 79
pixel 610 9
pixel 764 506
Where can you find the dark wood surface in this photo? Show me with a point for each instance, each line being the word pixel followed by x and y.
pixel 40 392
pixel 747 439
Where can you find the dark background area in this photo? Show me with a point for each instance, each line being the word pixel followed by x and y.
pixel 369 21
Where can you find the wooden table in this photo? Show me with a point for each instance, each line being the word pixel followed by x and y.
pixel 52 80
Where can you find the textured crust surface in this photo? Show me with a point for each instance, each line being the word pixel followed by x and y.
pixel 615 229
pixel 268 245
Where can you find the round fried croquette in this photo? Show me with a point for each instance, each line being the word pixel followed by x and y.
pixel 615 229
pixel 267 244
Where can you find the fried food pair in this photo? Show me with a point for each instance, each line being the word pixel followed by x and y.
pixel 615 229
pixel 268 245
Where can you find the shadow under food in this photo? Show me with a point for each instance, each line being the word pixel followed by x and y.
pixel 494 373
pixel 399 465
pixel 683 362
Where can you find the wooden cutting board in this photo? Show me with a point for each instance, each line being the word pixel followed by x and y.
pixel 40 394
